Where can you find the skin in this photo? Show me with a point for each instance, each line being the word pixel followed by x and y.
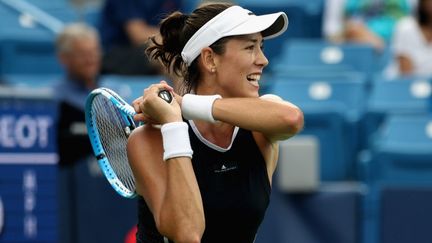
pixel 139 31
pixel 406 65
pixel 82 60
pixel 358 32
pixel 170 188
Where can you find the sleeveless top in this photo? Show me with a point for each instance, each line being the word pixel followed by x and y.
pixel 234 187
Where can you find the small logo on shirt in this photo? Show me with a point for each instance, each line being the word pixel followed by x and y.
pixel 225 168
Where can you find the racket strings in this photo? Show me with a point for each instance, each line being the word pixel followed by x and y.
pixel 111 127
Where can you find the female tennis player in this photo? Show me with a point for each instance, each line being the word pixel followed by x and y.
pixel 205 175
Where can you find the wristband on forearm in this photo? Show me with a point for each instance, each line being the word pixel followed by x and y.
pixel 198 107
pixel 175 137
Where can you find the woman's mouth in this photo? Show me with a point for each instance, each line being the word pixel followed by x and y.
pixel 254 79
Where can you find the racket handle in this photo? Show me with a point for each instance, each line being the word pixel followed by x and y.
pixel 165 95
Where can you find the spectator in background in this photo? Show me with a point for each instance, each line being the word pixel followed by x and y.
pixel 125 28
pixel 79 52
pixel 412 42
pixel 363 21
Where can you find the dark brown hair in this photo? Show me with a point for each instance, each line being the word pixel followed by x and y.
pixel 176 30
pixel 423 15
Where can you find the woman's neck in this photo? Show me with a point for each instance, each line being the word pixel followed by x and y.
pixel 218 133
pixel 205 89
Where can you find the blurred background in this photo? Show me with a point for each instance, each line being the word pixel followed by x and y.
pixel 359 172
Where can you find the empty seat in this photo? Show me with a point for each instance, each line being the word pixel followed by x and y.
pixel 32 80
pixel 409 95
pixel 28 56
pixel 332 111
pixel 398 164
pixel 405 214
pixel 329 215
pixel 27 34
pixel 319 54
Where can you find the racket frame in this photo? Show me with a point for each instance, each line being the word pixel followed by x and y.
pixel 127 113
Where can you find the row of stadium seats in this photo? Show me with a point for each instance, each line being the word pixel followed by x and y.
pixel 381 138
pixel 343 115
pixel 316 57
pixel 28 32
pixel 28 29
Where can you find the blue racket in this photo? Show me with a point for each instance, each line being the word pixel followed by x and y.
pixel 109 121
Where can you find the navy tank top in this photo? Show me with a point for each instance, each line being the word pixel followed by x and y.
pixel 234 187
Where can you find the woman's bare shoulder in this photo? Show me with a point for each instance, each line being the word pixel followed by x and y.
pixel 145 140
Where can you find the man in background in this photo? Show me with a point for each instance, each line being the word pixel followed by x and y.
pixel 79 52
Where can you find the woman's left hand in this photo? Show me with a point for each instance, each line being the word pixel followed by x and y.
pixel 150 108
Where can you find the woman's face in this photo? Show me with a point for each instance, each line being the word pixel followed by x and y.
pixel 239 69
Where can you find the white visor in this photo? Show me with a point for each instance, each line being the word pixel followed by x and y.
pixel 233 21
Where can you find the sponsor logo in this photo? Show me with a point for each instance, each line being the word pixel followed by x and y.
pixel 225 168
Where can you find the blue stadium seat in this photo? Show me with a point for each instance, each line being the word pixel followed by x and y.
pixel 62 10
pixel 404 141
pixel 405 214
pixel 319 75
pixel 408 95
pixel 332 111
pixel 32 80
pixel 27 34
pixel 329 215
pixel 28 56
pixel 402 95
pixel 311 54
pixel 400 159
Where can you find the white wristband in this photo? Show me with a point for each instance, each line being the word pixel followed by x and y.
pixel 176 142
pixel 198 107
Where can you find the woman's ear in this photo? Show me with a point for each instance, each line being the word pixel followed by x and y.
pixel 208 59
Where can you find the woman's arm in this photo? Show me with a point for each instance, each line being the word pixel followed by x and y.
pixel 139 31
pixel 167 183
pixel 276 119
pixel 405 65
pixel 168 187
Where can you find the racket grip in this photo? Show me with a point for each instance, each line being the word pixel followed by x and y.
pixel 165 95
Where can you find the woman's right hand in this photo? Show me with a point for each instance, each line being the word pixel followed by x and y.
pixel 150 108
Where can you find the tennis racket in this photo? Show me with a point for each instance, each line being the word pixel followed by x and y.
pixel 109 121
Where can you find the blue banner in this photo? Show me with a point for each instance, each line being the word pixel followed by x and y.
pixel 28 171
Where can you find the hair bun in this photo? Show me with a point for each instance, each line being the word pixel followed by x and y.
pixel 171 29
